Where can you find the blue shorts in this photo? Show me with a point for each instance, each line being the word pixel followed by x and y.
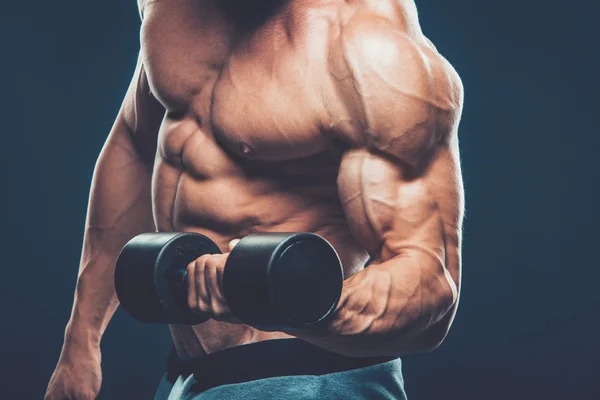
pixel 281 369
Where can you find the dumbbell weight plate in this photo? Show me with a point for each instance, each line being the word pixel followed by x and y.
pixel 277 281
pixel 149 276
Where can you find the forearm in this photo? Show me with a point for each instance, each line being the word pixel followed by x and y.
pixel 119 209
pixel 389 309
pixel 94 304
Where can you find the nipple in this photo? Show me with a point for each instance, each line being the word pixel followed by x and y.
pixel 246 149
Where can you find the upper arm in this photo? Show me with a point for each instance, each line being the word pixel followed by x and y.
pixel 400 182
pixel 120 205
pixel 397 106
pixel 120 195
pixel 141 114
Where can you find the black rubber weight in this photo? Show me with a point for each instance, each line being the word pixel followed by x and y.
pixel 149 276
pixel 276 281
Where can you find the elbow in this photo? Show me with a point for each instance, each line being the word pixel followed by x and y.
pixel 431 341
pixel 445 302
pixel 435 334
pixel 433 337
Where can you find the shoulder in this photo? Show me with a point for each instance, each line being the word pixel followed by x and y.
pixel 376 48
pixel 392 82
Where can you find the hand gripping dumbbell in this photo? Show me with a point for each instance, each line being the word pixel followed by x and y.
pixel 271 281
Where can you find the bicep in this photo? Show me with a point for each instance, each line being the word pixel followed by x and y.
pixel 390 213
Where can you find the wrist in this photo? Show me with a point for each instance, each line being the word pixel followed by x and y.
pixel 80 337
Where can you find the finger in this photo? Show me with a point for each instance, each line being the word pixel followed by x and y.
pixel 210 276
pixel 192 297
pixel 209 273
pixel 220 272
pixel 233 243
pixel 201 292
pixel 214 270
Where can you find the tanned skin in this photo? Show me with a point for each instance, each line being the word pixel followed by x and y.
pixel 326 116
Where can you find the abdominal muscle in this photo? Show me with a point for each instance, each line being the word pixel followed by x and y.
pixel 199 187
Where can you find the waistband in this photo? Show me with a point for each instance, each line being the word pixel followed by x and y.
pixel 266 359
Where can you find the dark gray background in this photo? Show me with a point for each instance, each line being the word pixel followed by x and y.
pixel 527 326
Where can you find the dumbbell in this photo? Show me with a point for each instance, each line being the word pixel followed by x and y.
pixel 271 281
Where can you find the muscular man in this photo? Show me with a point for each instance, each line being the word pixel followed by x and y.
pixel 336 117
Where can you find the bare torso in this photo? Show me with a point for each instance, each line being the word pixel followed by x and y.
pixel 242 147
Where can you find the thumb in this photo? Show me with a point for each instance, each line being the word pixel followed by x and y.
pixel 233 243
